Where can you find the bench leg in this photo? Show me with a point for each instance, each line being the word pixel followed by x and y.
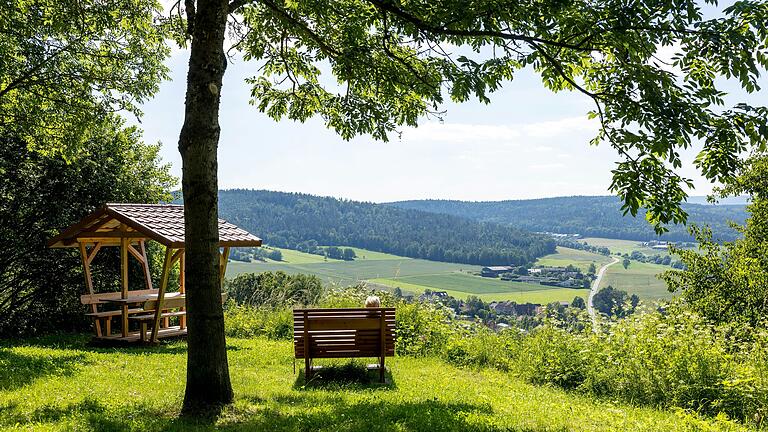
pixel 108 326
pixel 381 370
pixel 307 368
pixel 143 330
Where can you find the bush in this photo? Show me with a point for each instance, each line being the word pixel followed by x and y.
pixel 248 321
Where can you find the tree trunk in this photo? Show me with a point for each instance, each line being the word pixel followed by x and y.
pixel 208 383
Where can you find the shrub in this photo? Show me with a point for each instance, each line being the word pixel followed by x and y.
pixel 249 321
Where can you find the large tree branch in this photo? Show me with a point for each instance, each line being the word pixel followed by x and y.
pixel 427 27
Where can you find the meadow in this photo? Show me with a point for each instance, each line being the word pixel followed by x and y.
pixel 59 383
pixel 564 257
pixel 623 246
pixel 413 276
pixel 639 278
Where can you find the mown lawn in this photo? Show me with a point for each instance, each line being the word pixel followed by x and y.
pixel 59 383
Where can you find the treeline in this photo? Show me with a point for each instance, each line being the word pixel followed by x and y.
pixel 590 216
pixel 292 220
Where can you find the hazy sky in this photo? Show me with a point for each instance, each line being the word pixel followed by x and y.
pixel 528 143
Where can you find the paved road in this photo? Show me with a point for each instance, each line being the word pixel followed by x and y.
pixel 593 291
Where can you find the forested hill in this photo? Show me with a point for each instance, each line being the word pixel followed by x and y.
pixel 596 216
pixel 292 220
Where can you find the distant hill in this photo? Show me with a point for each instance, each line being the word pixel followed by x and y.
pixel 590 216
pixel 295 221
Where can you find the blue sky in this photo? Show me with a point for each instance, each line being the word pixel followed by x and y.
pixel 528 143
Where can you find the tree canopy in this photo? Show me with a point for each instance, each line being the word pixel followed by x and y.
pixel 40 288
pixel 729 283
pixel 67 64
pixel 394 62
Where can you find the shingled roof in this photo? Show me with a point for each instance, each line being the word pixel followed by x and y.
pixel 163 223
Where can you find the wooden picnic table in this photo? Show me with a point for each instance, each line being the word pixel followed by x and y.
pixel 124 302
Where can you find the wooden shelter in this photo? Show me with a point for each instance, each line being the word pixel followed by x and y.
pixel 129 226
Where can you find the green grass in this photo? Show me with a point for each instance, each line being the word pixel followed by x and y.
pixel 624 246
pixel 639 278
pixel 60 384
pixel 578 258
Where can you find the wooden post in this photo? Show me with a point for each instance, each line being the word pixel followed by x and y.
pixel 182 288
pixel 89 281
pixel 307 362
pixel 147 273
pixel 167 264
pixel 124 282
pixel 383 351
pixel 223 265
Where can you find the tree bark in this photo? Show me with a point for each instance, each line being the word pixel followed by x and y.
pixel 208 383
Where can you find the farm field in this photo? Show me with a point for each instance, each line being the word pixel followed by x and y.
pixel 639 278
pixel 350 272
pixel 414 275
pixel 623 246
pixel 291 256
pixel 518 292
pixel 578 258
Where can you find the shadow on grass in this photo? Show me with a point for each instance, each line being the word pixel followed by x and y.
pixel 301 411
pixel 18 370
pixel 348 376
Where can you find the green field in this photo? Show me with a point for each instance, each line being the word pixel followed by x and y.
pixel 414 275
pixel 624 246
pixel 639 278
pixel 291 256
pixel 350 272
pixel 578 258
pixel 529 293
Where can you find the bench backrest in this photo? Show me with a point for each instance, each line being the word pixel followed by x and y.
pixel 88 299
pixel 338 333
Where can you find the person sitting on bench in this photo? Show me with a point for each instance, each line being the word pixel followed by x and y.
pixel 372 302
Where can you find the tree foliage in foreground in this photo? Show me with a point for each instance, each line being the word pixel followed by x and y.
pixel 66 64
pixel 729 283
pixel 394 62
pixel 40 194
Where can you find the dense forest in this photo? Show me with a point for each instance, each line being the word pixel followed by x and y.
pixel 590 216
pixel 292 220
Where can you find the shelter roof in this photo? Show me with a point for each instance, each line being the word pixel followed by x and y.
pixel 163 223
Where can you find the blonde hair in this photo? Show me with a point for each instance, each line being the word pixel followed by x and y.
pixel 372 302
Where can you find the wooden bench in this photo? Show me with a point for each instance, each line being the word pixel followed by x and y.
pixel 105 317
pixel 147 320
pixel 344 333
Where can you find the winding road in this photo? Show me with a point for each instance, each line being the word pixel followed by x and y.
pixel 595 288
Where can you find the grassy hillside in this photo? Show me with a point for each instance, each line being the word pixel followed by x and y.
pixel 518 292
pixel 578 258
pixel 639 278
pixel 414 276
pixel 60 384
pixel 624 246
